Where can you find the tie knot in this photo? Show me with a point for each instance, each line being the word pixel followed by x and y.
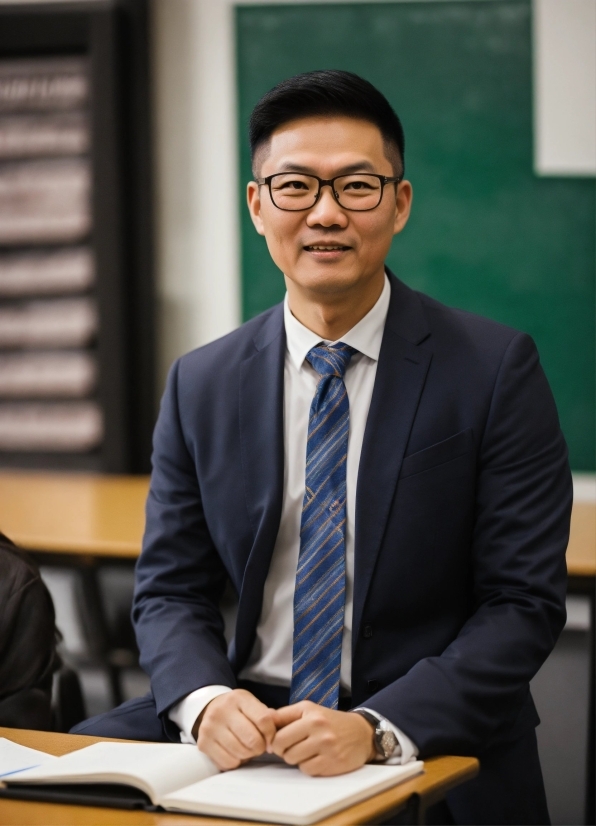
pixel 330 361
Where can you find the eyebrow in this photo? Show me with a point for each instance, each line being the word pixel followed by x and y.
pixel 360 166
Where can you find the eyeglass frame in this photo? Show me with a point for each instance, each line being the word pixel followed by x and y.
pixel 384 180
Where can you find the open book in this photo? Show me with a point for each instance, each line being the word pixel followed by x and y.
pixel 179 778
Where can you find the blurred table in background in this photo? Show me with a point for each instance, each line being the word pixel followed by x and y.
pixel 581 552
pixel 81 523
pixel 104 516
pixel 72 513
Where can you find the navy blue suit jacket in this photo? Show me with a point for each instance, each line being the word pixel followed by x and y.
pixel 462 516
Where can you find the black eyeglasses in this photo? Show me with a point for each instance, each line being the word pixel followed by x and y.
pixel 293 191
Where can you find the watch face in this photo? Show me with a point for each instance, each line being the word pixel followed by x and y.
pixel 387 742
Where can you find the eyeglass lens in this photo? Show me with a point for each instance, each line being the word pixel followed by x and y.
pixel 292 191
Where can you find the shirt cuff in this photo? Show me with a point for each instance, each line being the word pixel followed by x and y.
pixel 405 751
pixel 184 714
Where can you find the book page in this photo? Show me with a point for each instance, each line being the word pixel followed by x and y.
pixel 154 768
pixel 16 758
pixel 283 794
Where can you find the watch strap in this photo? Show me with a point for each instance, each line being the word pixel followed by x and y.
pixel 375 723
pixel 372 719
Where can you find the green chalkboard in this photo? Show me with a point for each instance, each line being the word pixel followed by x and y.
pixel 486 234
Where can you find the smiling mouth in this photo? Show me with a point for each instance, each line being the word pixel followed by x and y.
pixel 326 248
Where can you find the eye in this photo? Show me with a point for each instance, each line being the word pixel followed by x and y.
pixel 359 186
pixel 290 185
pixel 296 185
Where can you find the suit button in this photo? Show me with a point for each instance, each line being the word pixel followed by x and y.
pixel 373 685
pixel 367 632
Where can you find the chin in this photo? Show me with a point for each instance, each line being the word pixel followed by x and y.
pixel 325 280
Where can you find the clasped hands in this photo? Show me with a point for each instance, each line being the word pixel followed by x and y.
pixel 235 727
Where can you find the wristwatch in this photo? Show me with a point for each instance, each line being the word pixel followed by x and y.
pixel 384 737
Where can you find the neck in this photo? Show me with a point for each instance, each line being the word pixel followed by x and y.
pixel 330 316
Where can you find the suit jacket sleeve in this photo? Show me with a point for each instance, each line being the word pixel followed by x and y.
pixel 180 577
pixel 474 691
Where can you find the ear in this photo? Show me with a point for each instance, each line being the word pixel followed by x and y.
pixel 253 199
pixel 403 203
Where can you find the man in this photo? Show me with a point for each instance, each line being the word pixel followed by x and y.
pixel 380 479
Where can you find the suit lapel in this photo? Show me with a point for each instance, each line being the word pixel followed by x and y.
pixel 262 452
pixel 401 373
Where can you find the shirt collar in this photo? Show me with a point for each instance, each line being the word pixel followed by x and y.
pixel 366 336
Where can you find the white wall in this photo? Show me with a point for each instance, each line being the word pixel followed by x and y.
pixel 196 203
pixel 565 87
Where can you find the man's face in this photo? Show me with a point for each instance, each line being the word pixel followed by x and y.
pixel 328 249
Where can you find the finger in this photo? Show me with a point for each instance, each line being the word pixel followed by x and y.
pixel 301 752
pixel 222 758
pixel 320 766
pixel 231 713
pixel 260 716
pixel 289 736
pixel 216 731
pixel 248 734
pixel 289 714
pixel 228 741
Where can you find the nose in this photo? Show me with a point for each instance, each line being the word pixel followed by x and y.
pixel 327 212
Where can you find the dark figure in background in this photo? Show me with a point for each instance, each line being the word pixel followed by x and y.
pixel 382 481
pixel 28 639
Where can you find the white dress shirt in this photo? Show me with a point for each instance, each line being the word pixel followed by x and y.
pixel 271 657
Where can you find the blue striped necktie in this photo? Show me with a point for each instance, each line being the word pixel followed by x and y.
pixel 319 595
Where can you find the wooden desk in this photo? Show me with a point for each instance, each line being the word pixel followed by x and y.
pixel 441 774
pixel 581 551
pixel 69 513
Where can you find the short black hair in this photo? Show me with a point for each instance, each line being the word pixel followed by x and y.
pixel 326 92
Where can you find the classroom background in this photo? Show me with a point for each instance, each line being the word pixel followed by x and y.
pixel 125 242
